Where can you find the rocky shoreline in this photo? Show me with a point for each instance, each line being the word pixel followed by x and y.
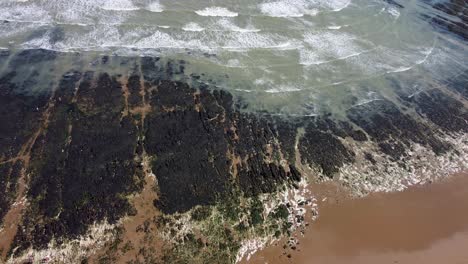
pixel 71 155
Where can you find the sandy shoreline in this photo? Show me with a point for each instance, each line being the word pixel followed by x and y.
pixel 423 224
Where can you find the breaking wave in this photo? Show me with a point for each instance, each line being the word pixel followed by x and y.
pixel 216 12
pixel 193 27
pixel 155 7
pixel 119 5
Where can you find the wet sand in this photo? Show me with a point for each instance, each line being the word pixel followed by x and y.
pixel 424 224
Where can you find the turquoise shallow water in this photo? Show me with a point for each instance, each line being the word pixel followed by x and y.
pixel 288 57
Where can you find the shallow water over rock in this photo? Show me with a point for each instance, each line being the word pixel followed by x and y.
pixel 288 57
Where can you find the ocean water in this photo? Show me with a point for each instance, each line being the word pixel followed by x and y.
pixel 387 80
pixel 301 57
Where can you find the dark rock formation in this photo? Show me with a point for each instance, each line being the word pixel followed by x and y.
pixel 392 129
pixel 324 149
pixel 19 117
pixel 83 142
pixel 82 163
pixel 455 19
pixel 189 145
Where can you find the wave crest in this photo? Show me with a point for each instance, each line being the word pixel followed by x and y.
pixel 216 11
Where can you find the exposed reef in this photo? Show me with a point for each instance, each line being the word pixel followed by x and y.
pixel 73 155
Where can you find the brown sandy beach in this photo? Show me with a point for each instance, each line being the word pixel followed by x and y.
pixel 423 224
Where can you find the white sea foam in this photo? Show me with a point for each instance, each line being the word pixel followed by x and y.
pixel 427 52
pixel 38 43
pixel 262 81
pixel 400 69
pixel 244 45
pixel 88 12
pixel 230 40
pixel 394 12
pixel 111 37
pixel 337 5
pixel 299 8
pixel 158 39
pixel 192 26
pixel 249 247
pixel 310 57
pixel 331 48
pixel 28 13
pixel 216 11
pixel 370 96
pixel 155 7
pixel 281 9
pixel 233 63
pixel 244 90
pixel 69 250
pixel 328 46
pixel 283 89
pixel 333 5
pixel 101 37
pixel 14 29
pixel 119 5
pixel 241 41
pixel 165 40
